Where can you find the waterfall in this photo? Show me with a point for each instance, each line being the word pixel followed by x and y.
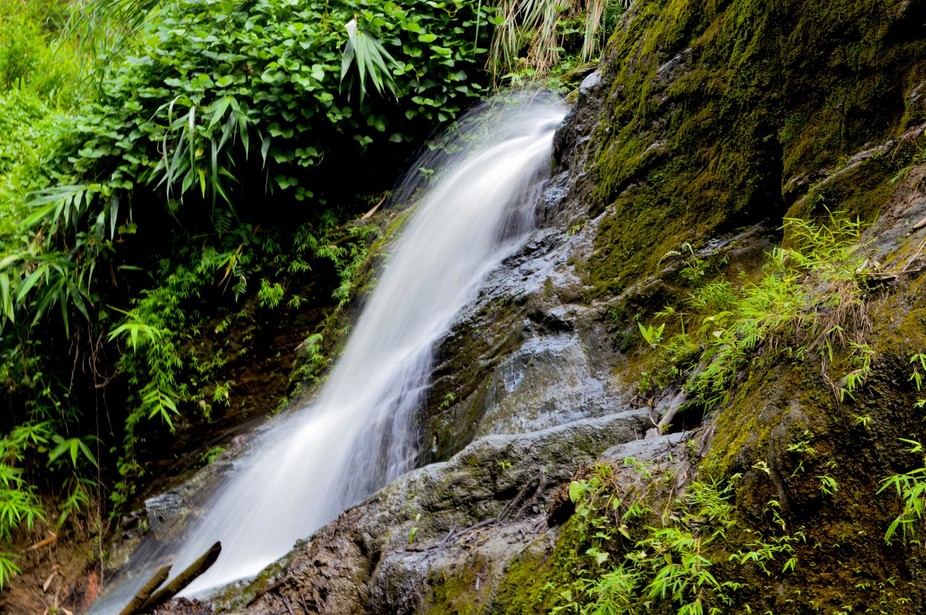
pixel 359 432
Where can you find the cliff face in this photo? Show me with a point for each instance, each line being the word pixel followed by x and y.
pixel 719 114
pixel 706 126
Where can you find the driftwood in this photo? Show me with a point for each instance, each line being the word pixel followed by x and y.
pixel 370 213
pixel 880 278
pixel 183 579
pixel 144 593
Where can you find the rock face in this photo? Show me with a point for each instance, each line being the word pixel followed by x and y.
pixel 474 512
pixel 707 123
pixel 526 355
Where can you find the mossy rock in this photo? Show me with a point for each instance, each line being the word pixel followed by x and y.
pixel 722 113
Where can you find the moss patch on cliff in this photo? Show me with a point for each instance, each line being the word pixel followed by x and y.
pixel 533 581
pixel 779 539
pixel 824 459
pixel 724 112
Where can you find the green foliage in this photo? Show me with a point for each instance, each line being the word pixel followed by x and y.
pixel 33 54
pixel 346 249
pixel 269 294
pixel 72 446
pixel 129 12
pixel 370 57
pixel 910 487
pixel 448 401
pixel 860 356
pixel 639 554
pixel 19 506
pixel 828 484
pixel 918 361
pixel 211 454
pixel 261 79
pixel 651 333
pixel 532 36
pixel 810 298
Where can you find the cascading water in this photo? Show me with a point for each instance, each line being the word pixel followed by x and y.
pixel 359 432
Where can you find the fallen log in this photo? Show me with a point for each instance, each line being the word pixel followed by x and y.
pixel 183 579
pixel 145 592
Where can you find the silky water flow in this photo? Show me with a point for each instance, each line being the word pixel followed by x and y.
pixel 358 433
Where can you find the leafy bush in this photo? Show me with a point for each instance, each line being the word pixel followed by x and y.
pixel 36 55
pixel 226 96
pixel 223 81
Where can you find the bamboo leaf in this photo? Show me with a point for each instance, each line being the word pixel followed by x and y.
pixel 74 294
pixel 86 451
pixel 113 215
pixel 31 281
pixel 264 147
pixel 243 133
pixel 9 260
pixel 6 297
pixel 220 107
pixel 38 215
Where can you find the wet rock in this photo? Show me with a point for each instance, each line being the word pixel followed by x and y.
pixel 546 381
pixel 483 506
pixel 528 353
pixel 164 510
pixel 184 606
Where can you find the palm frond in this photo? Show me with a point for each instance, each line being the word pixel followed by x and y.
pixel 371 58
pixel 527 31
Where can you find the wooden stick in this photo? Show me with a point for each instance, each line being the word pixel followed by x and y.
pixel 184 578
pixel 142 596
pixel 44 542
pixel 370 213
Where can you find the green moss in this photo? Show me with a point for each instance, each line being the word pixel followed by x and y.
pixel 528 585
pixel 717 108
pixel 533 581
pixel 789 402
pixel 457 593
pixel 858 187
pixel 762 410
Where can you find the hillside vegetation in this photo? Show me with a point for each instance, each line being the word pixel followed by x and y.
pixel 178 181
pixel 182 195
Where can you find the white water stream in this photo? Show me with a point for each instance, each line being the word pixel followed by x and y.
pixel 359 433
